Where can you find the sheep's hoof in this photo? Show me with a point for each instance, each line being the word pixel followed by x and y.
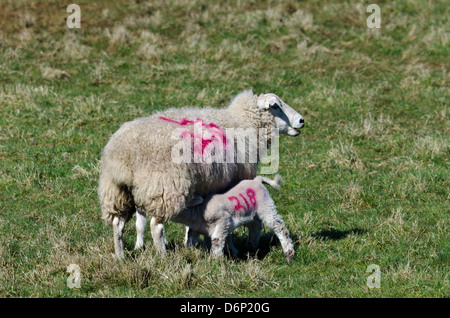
pixel 119 256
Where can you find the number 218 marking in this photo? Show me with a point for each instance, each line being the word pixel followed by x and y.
pixel 251 197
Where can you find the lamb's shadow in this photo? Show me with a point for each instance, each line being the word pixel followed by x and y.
pixel 267 243
pixel 335 234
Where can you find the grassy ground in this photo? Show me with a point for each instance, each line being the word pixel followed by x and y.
pixel 367 182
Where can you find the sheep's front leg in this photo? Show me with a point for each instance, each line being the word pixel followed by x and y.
pixel 140 228
pixel 118 226
pixel 191 237
pixel 158 235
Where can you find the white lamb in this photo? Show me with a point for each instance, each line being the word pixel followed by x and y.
pixel 248 203
pixel 138 172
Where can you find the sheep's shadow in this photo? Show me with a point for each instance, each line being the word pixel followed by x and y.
pixel 335 234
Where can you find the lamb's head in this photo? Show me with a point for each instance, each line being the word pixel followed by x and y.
pixel 287 120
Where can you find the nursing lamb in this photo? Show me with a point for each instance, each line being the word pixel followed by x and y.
pixel 248 203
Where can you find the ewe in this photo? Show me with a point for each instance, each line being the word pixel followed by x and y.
pixel 138 172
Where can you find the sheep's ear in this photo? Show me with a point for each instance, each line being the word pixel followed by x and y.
pixel 196 200
pixel 265 102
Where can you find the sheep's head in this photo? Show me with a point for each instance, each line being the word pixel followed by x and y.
pixel 288 121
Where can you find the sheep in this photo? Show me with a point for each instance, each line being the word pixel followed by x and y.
pixel 248 203
pixel 139 174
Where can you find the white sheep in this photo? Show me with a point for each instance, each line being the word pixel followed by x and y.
pixel 139 173
pixel 248 203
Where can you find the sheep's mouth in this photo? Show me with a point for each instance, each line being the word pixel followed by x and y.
pixel 294 132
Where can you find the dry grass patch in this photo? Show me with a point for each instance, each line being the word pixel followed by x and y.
pixel 50 73
pixel 345 155
pixel 430 145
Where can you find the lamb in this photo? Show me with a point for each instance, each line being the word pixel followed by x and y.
pixel 139 173
pixel 248 203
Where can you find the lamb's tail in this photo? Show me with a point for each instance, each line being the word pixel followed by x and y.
pixel 275 183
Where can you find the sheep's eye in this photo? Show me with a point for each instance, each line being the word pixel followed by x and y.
pixel 275 106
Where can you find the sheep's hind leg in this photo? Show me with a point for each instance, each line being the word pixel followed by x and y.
pixel 140 228
pixel 118 226
pixel 158 235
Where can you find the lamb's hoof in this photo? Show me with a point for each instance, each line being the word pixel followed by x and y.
pixel 289 255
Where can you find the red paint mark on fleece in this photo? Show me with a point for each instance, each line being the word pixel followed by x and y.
pixel 252 198
pixel 245 200
pixel 238 205
pixel 211 127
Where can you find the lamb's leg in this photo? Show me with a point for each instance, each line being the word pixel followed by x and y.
pixel 233 250
pixel 207 242
pixel 140 229
pixel 275 222
pixel 158 235
pixel 219 237
pixel 254 235
pixel 118 226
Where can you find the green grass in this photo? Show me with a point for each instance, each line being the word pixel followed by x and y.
pixel 367 182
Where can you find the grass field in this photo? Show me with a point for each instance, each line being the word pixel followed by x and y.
pixel 367 182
